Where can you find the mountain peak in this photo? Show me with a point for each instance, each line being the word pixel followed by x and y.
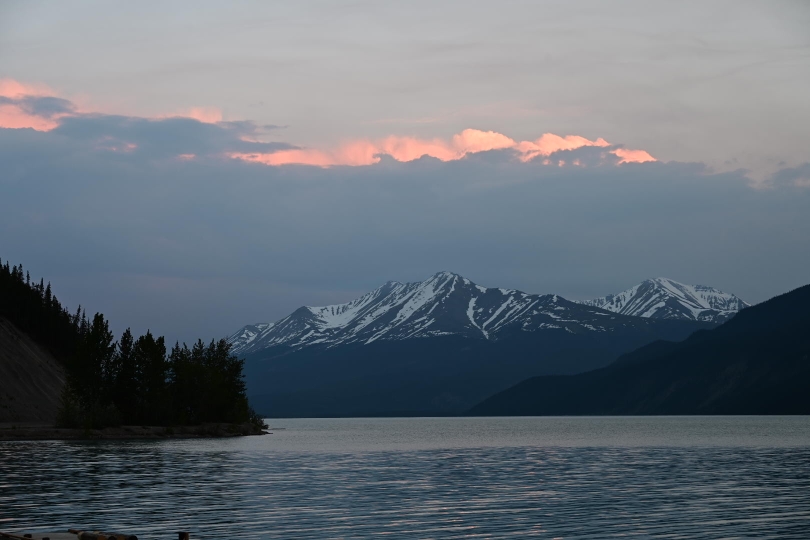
pixel 445 274
pixel 444 304
pixel 665 298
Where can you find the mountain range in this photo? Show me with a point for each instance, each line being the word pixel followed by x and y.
pixel 439 346
pixel 449 304
pixel 756 363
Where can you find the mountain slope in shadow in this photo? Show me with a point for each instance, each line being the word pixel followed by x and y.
pixel 757 363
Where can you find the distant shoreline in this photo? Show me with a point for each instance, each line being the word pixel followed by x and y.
pixel 45 432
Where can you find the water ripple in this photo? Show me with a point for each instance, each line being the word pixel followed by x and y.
pixel 269 488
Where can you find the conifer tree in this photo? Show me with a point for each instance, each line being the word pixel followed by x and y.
pixel 125 386
pixel 151 371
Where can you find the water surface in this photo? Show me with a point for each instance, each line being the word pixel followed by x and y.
pixel 646 477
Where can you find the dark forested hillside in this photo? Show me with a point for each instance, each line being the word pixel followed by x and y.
pixel 757 363
pixel 131 381
pixel 442 375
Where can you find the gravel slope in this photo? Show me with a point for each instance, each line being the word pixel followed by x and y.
pixel 31 379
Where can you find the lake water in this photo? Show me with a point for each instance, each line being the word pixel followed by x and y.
pixel 670 477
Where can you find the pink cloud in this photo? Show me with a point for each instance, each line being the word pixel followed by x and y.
pixel 12 89
pixel 473 140
pixel 355 153
pixel 411 148
pixel 549 143
pixel 14 117
pixel 365 152
pixel 13 114
pixel 632 156
pixel 469 141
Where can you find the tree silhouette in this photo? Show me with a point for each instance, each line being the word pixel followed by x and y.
pixel 131 381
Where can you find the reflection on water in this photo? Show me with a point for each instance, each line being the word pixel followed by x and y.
pixel 429 478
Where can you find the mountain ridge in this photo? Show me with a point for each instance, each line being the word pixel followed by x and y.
pixel 665 298
pixel 450 304
pixel 756 363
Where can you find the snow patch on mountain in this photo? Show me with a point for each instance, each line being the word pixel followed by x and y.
pixel 663 298
pixel 444 304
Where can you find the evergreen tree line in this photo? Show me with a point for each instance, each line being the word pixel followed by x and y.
pixel 35 310
pixel 129 381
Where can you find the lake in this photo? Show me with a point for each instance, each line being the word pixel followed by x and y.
pixel 572 478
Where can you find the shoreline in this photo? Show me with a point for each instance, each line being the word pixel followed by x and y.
pixel 46 432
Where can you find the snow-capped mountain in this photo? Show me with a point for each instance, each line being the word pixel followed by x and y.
pixel 663 298
pixel 444 304
pixel 433 347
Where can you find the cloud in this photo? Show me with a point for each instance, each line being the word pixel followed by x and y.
pixel 30 106
pixel 202 131
pixel 186 135
pixel 797 176
pixel 550 143
pixel 162 138
pixel 39 107
pixel 196 131
pixel 14 116
pixel 460 145
pixel 633 156
pixel 12 89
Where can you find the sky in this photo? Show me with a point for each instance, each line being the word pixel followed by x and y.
pixel 191 167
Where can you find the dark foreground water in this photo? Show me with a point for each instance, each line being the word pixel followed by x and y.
pixel 718 477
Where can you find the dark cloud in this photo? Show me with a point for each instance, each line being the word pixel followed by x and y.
pixel 247 128
pixel 165 137
pixel 795 176
pixel 45 107
pixel 197 248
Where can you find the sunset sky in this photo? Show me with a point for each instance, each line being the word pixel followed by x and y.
pixel 196 166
